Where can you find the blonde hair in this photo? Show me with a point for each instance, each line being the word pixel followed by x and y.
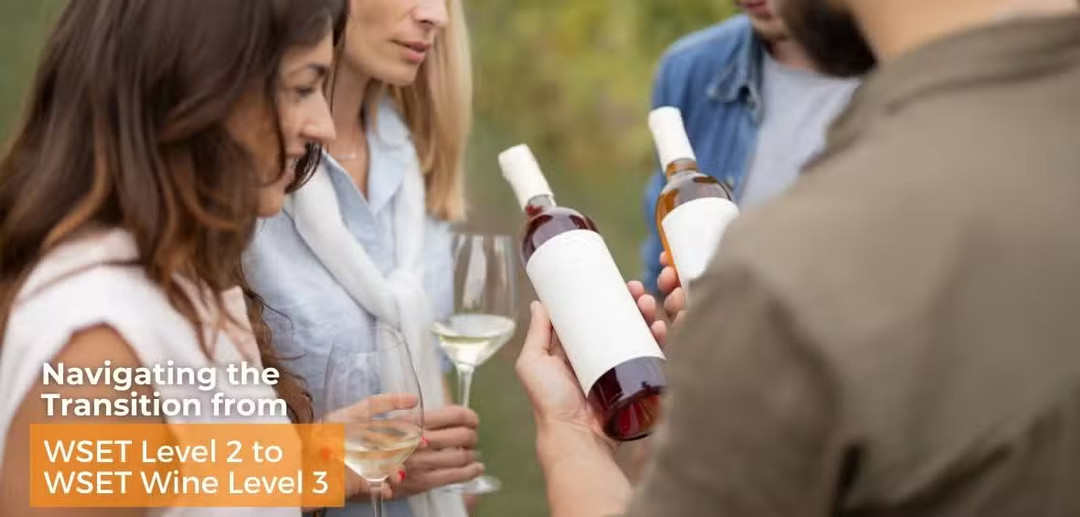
pixel 437 108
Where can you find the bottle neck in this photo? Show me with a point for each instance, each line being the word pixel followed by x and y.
pixel 539 203
pixel 680 166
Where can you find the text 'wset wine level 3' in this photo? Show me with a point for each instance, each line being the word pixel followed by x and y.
pixel 168 482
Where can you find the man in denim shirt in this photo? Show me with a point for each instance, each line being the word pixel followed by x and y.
pixel 754 108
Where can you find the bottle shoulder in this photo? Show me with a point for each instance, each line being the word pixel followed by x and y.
pixel 543 215
pixel 694 184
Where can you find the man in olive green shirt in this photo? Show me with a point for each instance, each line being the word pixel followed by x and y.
pixel 898 335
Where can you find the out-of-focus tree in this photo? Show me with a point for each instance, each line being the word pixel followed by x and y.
pixel 572 79
pixel 573 76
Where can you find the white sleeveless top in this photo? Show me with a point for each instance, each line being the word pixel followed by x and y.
pixel 74 288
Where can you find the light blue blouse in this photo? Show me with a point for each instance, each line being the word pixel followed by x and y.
pixel 308 310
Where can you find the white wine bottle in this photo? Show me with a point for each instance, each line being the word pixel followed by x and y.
pixel 693 209
pixel 616 358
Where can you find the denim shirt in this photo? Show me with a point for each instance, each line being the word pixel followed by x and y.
pixel 713 76
pixel 308 309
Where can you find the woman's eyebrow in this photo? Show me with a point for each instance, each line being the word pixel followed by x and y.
pixel 319 69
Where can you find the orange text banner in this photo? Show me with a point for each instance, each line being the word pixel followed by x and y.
pixel 193 465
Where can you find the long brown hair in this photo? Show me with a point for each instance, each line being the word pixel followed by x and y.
pixel 125 128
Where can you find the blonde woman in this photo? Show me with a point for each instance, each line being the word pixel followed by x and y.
pixel 367 240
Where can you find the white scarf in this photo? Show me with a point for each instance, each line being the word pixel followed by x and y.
pixel 399 300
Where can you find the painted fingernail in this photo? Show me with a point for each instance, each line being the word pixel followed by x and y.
pixel 401 475
pixel 424 441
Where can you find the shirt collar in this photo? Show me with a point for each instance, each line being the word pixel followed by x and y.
pixel 742 73
pixel 1016 48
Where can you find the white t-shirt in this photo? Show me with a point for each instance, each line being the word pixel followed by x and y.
pixel 799 106
pixel 74 288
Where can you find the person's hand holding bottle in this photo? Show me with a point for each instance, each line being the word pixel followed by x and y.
pixel 671 290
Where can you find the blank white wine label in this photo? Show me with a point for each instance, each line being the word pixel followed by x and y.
pixel 693 231
pixel 592 311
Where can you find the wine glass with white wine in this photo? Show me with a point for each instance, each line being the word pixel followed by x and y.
pixel 484 316
pixel 372 388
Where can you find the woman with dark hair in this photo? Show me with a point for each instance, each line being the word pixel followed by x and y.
pixel 157 133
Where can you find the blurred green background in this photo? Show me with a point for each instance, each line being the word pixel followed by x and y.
pixel 569 77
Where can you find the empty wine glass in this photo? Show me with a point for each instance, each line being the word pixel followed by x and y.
pixel 372 388
pixel 484 316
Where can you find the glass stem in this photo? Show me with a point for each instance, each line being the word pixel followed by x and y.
pixel 376 498
pixel 465 375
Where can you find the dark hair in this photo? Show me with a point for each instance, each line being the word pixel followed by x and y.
pixel 125 128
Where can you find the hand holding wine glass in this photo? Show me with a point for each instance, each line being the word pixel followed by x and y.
pixel 448 458
pixel 372 390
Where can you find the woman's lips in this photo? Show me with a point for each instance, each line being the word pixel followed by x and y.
pixel 758 7
pixel 415 51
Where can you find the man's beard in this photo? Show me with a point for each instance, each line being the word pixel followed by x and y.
pixel 832 39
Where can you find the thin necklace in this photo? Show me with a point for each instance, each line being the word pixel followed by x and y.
pixel 349 156
pixel 355 152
